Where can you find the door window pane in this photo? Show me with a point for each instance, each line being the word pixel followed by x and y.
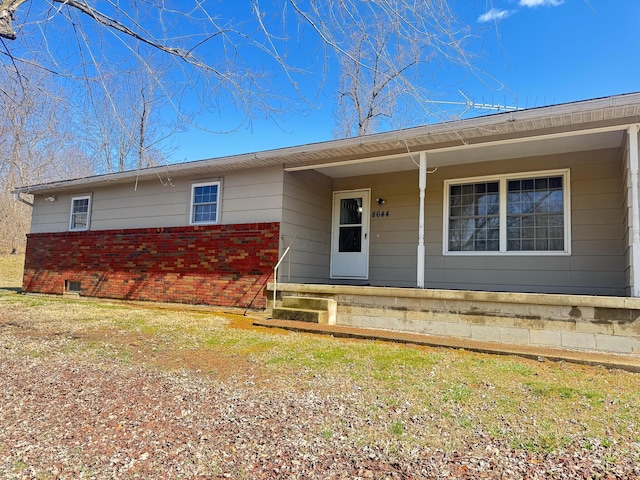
pixel 350 239
pixel 351 211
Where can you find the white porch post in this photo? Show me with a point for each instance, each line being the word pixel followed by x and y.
pixel 422 183
pixel 635 211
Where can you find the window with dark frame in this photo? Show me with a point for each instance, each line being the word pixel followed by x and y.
pixel 474 221
pixel 533 215
pixel 73 286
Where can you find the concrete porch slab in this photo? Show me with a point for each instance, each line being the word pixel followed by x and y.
pixel 609 325
pixel 555 299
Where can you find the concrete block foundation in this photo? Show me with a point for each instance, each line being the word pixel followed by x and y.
pixel 576 322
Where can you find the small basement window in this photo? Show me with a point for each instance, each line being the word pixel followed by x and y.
pixel 72 286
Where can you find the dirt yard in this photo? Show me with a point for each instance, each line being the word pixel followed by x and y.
pixel 102 390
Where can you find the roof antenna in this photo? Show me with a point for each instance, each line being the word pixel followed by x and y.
pixel 470 104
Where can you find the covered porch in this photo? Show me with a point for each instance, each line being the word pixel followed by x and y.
pixel 573 284
pixel 391 217
pixel 566 322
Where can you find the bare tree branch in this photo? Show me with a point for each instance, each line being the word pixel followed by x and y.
pixel 7 9
pixel 251 62
pixel 107 21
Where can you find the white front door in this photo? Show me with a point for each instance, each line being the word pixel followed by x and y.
pixel 350 235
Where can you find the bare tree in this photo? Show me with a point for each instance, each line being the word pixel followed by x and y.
pixel 388 73
pixel 124 126
pixel 371 92
pixel 36 128
pixel 234 57
pixel 37 144
pixel 79 41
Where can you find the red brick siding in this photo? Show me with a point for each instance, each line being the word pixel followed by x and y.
pixel 216 265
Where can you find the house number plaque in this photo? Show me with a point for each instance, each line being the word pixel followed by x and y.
pixel 379 213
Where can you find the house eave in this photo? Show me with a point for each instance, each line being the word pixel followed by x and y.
pixel 613 113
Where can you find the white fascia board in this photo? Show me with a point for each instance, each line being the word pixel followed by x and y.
pixel 279 156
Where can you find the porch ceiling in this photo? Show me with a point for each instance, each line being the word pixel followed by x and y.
pixel 462 154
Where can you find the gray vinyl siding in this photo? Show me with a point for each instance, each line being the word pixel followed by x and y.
pixel 306 225
pixel 253 195
pixel 247 196
pixel 51 216
pixel 597 262
pixel 302 202
pixel 151 204
pixel 393 238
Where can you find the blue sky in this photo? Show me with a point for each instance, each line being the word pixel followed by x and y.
pixel 539 52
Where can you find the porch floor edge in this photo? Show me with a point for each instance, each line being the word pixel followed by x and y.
pixel 629 363
pixel 584 300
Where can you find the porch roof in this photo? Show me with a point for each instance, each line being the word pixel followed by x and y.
pixel 576 126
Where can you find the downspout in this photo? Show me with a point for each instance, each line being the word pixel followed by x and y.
pixel 422 183
pixel 20 199
pixel 635 211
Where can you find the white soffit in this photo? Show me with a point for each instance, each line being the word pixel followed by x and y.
pixel 529 148
pixel 492 151
pixel 398 164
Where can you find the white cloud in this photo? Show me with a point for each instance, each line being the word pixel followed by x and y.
pixel 540 3
pixel 495 15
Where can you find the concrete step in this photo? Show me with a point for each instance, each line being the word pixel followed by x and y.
pixel 327 306
pixel 301 315
pixel 309 303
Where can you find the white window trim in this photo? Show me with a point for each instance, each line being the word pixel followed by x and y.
pixel 218 202
pixel 73 199
pixel 502 179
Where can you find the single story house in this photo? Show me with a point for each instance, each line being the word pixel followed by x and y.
pixel 522 227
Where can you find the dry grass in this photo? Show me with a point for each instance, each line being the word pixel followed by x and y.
pixel 80 380
pixel 11 268
pixel 97 389
pixel 535 406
